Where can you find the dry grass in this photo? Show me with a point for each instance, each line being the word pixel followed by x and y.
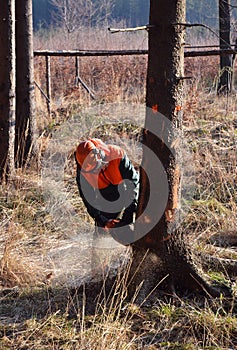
pixel 39 315
pixel 211 134
pixel 111 79
pixel 116 324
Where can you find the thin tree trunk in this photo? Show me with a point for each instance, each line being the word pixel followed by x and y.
pixel 7 88
pixel 25 122
pixel 226 61
pixel 162 252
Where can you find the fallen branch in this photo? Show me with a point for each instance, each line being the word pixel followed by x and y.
pixel 117 30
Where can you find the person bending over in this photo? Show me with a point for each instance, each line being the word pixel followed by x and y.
pixel 108 183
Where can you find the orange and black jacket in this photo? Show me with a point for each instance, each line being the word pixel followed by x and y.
pixel 118 178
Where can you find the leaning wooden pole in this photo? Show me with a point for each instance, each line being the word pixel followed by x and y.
pixel 107 53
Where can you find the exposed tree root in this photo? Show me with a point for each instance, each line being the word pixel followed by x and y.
pixel 168 272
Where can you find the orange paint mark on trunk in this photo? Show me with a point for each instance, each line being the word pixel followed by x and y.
pixel 151 80
pixel 155 108
pixel 148 240
pixel 169 213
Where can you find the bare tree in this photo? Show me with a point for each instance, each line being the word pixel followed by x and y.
pixel 25 143
pixel 67 14
pixel 163 254
pixel 74 14
pixel 7 87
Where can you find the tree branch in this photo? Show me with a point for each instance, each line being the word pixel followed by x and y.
pixel 189 25
pixel 117 30
pixel 232 6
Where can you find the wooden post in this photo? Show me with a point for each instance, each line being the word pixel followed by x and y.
pixel 79 80
pixel 77 70
pixel 48 83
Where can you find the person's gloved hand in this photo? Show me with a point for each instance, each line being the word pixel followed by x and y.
pixel 101 221
pixel 112 223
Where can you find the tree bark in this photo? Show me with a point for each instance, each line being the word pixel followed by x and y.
pixel 25 122
pixel 226 61
pixel 7 88
pixel 162 253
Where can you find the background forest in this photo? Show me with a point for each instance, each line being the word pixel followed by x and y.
pixel 133 12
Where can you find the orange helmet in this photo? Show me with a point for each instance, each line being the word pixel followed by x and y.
pixel 83 150
pixel 90 156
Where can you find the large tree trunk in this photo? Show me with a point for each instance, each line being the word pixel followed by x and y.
pixel 25 122
pixel 161 252
pixel 7 88
pixel 226 61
